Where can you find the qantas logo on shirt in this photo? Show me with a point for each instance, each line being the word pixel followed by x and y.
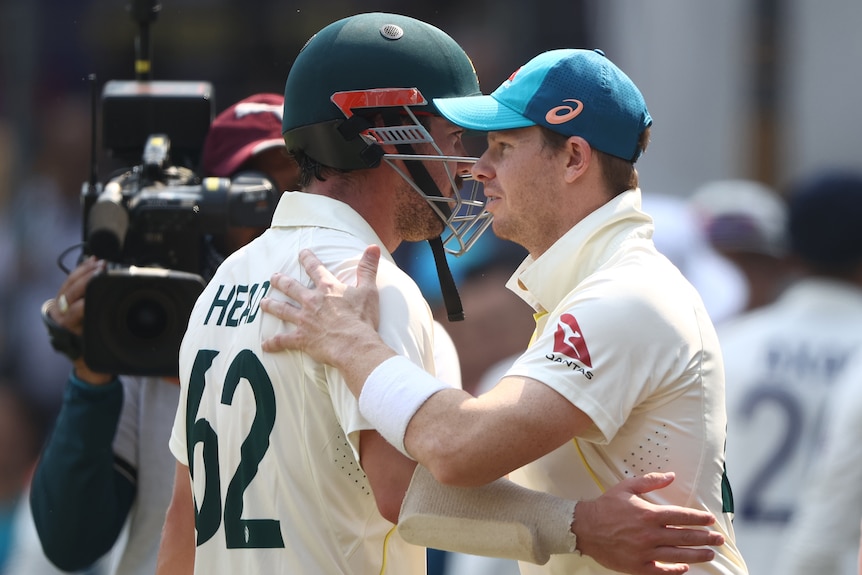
pixel 569 341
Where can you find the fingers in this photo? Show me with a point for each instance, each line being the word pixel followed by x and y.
pixel 685 516
pixel 366 272
pixel 289 287
pixel 675 557
pixel 75 285
pixel 667 515
pixel 684 537
pixel 676 560
pixel 284 311
pixel 69 309
pixel 650 482
pixel 657 539
pixel 321 276
pixel 279 342
pixel 316 318
pixel 324 281
pixel 664 569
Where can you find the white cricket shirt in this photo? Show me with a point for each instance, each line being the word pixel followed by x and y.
pixel 624 337
pixel 274 436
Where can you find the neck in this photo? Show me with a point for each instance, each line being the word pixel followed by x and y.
pixel 370 196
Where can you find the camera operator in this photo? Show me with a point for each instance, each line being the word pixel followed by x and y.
pixel 106 469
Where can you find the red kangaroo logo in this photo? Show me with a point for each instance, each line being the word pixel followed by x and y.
pixel 569 341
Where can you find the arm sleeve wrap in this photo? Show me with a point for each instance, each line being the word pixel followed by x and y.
pixel 500 519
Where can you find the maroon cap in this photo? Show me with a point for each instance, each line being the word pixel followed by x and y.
pixel 247 128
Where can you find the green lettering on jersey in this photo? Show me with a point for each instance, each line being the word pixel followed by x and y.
pixel 219 303
pixel 235 301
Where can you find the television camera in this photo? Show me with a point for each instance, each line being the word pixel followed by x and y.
pixel 152 222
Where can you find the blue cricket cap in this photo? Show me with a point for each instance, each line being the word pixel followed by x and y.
pixel 572 92
pixel 825 208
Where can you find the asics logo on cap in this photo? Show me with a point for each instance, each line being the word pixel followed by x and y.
pixel 564 113
pixel 246 108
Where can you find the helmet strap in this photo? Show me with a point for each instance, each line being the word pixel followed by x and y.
pixel 454 309
pixel 421 177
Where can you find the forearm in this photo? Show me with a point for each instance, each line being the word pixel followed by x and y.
pixel 465 440
pixel 357 363
pixel 177 548
pixel 76 475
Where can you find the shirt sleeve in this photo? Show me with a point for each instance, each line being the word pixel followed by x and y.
pixel 177 441
pixel 604 354
pixel 78 473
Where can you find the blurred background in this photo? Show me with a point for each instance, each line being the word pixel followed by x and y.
pixel 763 90
pixel 757 90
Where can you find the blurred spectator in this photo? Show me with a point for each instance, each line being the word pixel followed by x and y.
pixel 678 235
pixel 745 221
pixel 8 159
pixel 45 218
pixel 20 438
pixel 782 361
pixel 823 534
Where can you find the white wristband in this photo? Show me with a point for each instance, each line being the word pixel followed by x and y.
pixel 393 393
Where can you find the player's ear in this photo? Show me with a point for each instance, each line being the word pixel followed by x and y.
pixel 578 155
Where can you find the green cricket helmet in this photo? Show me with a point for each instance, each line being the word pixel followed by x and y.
pixel 367 52
pixel 389 66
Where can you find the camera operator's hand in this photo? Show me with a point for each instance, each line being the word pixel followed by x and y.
pixel 68 312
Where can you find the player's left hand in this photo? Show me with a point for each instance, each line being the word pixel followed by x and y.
pixel 631 535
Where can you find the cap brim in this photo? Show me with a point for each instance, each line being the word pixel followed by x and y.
pixel 481 113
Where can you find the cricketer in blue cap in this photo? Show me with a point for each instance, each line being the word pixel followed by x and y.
pixel 572 92
pixel 622 378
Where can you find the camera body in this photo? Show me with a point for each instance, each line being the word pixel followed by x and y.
pixel 155 224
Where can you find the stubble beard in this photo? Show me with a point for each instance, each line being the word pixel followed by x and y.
pixel 416 220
